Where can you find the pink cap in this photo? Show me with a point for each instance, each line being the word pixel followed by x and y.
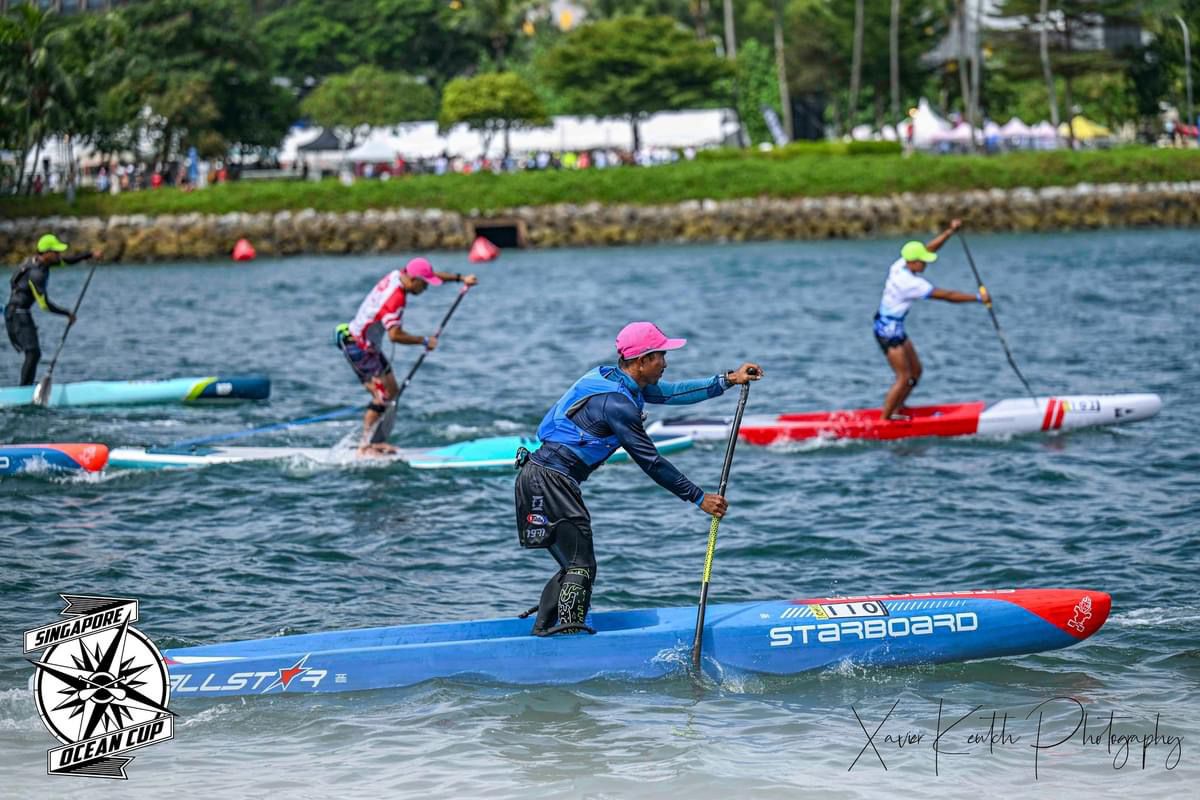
pixel 638 338
pixel 421 268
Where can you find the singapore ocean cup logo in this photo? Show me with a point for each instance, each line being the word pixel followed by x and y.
pixel 101 687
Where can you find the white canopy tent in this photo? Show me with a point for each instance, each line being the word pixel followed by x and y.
pixel 960 134
pixel 862 133
pixel 1016 129
pixel 377 147
pixel 423 140
pixel 1044 136
pixel 927 126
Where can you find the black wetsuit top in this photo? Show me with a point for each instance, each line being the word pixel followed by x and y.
pixel 28 285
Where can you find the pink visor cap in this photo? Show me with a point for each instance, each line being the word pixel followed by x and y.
pixel 638 338
pixel 421 268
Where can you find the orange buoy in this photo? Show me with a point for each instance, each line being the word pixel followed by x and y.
pixel 482 250
pixel 243 251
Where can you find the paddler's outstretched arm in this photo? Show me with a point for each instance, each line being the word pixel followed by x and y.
pixel 953 296
pixel 626 423
pixel 944 236
pixel 677 393
pixel 453 277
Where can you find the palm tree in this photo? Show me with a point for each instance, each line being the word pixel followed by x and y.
pixel 785 99
pixel 856 62
pixel 1044 49
pixel 963 76
pixel 894 50
pixel 498 21
pixel 36 87
pixel 730 34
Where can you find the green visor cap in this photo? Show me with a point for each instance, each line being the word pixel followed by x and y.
pixel 916 251
pixel 50 242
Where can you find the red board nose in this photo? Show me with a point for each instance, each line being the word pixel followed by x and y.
pixel 1079 612
pixel 91 457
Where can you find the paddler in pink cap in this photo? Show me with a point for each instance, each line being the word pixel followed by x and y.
pixel 361 342
pixel 599 413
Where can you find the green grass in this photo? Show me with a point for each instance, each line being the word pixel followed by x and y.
pixel 804 175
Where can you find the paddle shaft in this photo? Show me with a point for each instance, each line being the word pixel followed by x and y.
pixel 698 639
pixel 421 358
pixel 41 394
pixel 995 322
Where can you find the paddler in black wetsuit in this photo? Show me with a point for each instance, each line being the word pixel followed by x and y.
pixel 28 285
pixel 599 413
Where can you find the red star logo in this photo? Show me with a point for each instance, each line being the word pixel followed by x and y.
pixel 286 676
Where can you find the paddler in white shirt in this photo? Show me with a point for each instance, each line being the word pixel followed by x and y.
pixel 905 285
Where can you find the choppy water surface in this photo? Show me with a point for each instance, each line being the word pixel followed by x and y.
pixel 252 550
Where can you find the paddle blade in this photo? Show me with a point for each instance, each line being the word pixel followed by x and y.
pixel 41 392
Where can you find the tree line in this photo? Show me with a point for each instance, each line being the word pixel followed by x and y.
pixel 229 76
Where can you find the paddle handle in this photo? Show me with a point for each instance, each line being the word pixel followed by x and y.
pixel 698 638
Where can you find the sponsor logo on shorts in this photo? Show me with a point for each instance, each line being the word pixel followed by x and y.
pixel 536 502
pixel 535 535
pixel 536 519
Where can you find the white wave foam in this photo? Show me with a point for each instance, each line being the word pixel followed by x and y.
pixel 1156 616
pixel 809 445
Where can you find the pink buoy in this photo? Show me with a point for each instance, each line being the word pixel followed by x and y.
pixel 243 251
pixel 482 250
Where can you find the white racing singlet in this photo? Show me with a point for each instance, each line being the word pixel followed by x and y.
pixel 902 289
pixel 380 310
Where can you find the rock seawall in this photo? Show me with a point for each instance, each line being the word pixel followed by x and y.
pixel 197 236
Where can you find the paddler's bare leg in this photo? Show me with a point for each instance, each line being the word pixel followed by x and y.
pixel 914 371
pixel 898 359
pixel 382 390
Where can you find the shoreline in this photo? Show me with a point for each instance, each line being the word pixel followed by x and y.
pixel 171 237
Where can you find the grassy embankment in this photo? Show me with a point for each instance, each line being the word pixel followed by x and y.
pixel 720 175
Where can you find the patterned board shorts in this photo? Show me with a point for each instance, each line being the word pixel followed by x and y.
pixel 368 364
pixel 889 332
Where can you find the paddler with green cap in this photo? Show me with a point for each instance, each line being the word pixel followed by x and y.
pixel 904 286
pixel 28 285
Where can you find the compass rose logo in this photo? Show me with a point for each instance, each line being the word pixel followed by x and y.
pixel 101 687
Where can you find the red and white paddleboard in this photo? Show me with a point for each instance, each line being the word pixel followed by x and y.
pixel 1012 416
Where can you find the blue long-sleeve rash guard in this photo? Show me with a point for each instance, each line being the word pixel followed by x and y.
pixel 613 413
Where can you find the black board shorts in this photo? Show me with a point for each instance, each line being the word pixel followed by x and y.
pixel 544 500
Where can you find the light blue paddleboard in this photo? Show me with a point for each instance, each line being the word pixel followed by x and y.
pixel 496 452
pixel 119 393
